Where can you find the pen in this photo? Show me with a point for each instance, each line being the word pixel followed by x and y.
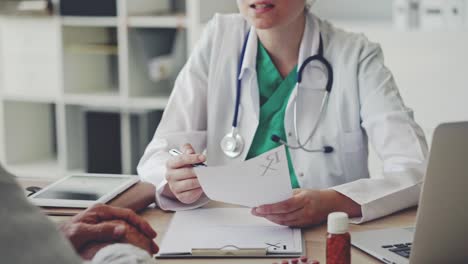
pixel 176 152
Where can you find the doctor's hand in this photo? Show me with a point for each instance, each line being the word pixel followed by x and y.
pixel 307 207
pixel 181 178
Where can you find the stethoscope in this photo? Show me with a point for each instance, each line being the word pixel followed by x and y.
pixel 233 144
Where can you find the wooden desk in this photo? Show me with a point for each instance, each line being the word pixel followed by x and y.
pixel 314 237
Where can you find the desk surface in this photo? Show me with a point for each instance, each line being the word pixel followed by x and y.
pixel 315 237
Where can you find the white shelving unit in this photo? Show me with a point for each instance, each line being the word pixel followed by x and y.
pixel 82 21
pixel 165 21
pixel 56 69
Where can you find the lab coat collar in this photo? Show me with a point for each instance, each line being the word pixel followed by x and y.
pixel 309 45
pixel 250 58
pixel 310 40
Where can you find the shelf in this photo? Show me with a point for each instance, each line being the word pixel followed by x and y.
pixel 31 139
pixel 92 49
pixel 148 103
pixel 81 67
pixel 103 99
pixel 19 97
pixel 114 101
pixel 164 21
pixel 151 51
pixel 83 71
pixel 47 168
pixel 78 21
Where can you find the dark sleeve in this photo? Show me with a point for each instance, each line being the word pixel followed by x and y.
pixel 26 235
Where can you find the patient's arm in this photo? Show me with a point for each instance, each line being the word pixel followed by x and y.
pixel 137 197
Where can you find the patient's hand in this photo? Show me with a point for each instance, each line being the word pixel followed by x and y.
pixel 130 236
pixel 103 225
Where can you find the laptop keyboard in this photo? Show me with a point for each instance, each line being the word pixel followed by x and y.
pixel 403 250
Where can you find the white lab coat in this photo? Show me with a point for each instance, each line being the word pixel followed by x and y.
pixel 364 106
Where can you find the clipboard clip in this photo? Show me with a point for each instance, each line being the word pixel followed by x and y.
pixel 229 251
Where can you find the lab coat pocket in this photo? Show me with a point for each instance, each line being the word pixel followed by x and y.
pixel 332 162
pixel 354 155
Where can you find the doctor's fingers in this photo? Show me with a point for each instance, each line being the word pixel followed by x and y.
pixel 184 186
pixel 188 149
pixel 288 206
pixel 181 174
pixel 184 160
pixel 286 219
pixel 190 197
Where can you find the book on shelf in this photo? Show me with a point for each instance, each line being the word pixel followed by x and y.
pixel 103 134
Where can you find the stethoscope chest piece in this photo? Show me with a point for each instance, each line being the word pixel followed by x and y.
pixel 232 144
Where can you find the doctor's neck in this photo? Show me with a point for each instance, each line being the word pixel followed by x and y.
pixel 283 43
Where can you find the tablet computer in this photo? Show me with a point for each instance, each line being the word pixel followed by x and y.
pixel 84 190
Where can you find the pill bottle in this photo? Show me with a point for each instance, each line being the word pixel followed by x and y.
pixel 338 239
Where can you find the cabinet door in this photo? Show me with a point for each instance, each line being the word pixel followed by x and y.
pixel 31 52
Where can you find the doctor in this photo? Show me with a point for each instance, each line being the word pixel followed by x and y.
pixel 278 72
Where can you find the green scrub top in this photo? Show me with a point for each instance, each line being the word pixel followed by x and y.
pixel 274 96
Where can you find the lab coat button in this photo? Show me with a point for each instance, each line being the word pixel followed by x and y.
pixel 301 174
pixel 290 134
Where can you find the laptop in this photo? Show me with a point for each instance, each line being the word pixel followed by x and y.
pixel 441 233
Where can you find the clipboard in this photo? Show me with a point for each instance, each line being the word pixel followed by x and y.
pixel 228 233
pixel 229 251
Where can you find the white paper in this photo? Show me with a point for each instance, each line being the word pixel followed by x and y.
pixel 219 228
pixel 258 181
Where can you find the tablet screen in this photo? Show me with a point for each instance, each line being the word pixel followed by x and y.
pixel 85 188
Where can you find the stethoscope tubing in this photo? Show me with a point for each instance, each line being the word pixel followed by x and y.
pixel 239 82
pixel 234 136
pixel 314 129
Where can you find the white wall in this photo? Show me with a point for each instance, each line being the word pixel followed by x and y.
pixel 354 9
pixel 431 70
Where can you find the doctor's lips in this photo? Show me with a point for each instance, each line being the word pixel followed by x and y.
pixel 261 7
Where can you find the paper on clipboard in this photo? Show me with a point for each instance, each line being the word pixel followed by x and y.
pixel 258 181
pixel 214 230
